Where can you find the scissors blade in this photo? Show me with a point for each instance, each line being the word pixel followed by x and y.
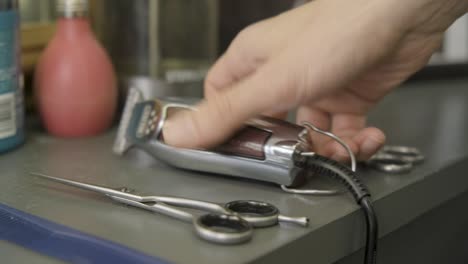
pixel 157 207
pixel 90 187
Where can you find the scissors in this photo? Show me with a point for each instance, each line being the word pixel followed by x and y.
pixel 396 159
pixel 229 223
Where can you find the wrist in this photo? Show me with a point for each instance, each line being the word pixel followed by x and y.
pixel 456 8
pixel 427 16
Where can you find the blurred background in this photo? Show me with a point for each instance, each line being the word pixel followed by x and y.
pixel 170 44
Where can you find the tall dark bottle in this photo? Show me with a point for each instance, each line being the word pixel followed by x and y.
pixel 11 94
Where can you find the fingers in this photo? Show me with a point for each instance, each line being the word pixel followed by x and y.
pixel 335 151
pixel 315 116
pixel 279 115
pixel 246 53
pixel 369 140
pixel 220 75
pixel 254 45
pixel 364 145
pixel 224 112
pixel 347 125
pixel 353 128
pixel 234 65
pixel 363 142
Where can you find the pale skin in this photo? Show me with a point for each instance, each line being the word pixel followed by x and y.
pixel 332 60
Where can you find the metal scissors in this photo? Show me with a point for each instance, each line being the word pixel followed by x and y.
pixel 396 159
pixel 229 223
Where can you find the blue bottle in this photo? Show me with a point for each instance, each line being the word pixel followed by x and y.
pixel 11 93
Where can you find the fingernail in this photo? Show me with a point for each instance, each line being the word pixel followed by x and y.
pixel 176 129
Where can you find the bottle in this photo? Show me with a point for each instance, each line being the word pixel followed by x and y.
pixel 75 83
pixel 11 93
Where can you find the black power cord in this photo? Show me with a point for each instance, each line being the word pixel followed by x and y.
pixel 324 166
pixel 372 231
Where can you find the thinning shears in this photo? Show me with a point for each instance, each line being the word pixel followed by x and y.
pixel 396 159
pixel 229 223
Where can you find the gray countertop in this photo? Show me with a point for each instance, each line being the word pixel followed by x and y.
pixel 430 116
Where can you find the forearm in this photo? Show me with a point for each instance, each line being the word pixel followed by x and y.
pixel 444 12
pixel 403 15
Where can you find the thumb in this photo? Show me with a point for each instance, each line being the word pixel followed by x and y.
pixel 222 114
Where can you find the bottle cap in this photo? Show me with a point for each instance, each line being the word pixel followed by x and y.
pixel 72 8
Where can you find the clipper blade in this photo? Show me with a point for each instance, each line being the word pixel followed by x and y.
pixel 122 143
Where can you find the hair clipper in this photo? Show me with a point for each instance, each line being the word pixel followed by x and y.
pixel 267 149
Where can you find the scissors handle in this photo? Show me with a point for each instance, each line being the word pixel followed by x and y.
pixel 217 228
pixel 389 163
pixel 223 229
pixel 396 159
pixel 258 214
pixel 262 214
pixel 406 154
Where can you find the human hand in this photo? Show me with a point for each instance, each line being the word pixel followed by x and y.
pixel 332 59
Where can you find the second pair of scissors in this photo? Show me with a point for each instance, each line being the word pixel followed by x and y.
pixel 396 159
pixel 229 223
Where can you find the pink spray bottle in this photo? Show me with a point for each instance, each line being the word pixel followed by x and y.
pixel 75 83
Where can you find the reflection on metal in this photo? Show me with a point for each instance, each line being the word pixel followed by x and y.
pixel 310 127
